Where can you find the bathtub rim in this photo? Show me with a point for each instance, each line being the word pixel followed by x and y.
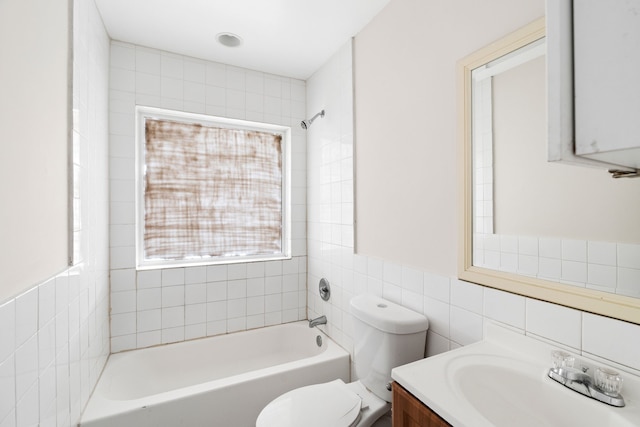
pixel 99 407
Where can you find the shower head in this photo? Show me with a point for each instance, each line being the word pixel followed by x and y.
pixel 306 123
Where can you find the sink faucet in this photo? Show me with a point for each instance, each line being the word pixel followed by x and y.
pixel 322 320
pixel 598 388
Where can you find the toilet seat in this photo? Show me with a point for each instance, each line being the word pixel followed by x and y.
pixel 319 405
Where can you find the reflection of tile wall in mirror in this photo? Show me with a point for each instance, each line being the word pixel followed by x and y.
pixel 603 266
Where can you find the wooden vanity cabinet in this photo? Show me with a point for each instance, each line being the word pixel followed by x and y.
pixel 410 412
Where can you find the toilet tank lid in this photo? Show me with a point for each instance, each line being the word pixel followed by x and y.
pixel 387 316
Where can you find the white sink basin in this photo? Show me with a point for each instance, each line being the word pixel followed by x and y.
pixel 502 382
pixel 508 392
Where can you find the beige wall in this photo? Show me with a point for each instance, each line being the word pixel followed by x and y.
pixel 34 39
pixel 536 198
pixel 406 142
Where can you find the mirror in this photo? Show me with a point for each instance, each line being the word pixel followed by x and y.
pixel 550 231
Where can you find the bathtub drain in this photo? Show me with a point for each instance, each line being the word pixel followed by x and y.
pixel 319 341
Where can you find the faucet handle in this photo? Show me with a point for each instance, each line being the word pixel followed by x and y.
pixel 609 381
pixel 561 359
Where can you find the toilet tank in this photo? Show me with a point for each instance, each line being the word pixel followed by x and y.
pixel 385 335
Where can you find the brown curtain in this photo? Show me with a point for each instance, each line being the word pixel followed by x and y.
pixel 211 192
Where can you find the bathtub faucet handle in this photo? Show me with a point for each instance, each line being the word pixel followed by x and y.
pixel 322 320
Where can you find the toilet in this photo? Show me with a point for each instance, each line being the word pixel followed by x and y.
pixel 385 335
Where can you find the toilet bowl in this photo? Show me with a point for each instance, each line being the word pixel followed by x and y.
pixel 386 335
pixel 334 404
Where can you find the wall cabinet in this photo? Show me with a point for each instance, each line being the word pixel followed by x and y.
pixel 594 91
pixel 410 412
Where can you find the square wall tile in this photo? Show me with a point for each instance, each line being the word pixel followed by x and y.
pixel 528 246
pixel 26 366
pixel 602 253
pixel 149 299
pixel 374 268
pixel 122 56
pixel 173 277
pixel 255 287
pixel 194 275
pixel 148 60
pixel 171 335
pixel 438 314
pixel 217 273
pixel 195 331
pixel 46 304
pixel 467 295
pixel 550 248
pixel 7 386
pixel 216 291
pixel 554 322
pixel 148 320
pixel 145 279
pixel 172 317
pixel 574 271
pixel 436 344
pixel 549 268
pixel 123 302
pixel 602 275
pixel 392 273
pixel 505 307
pixel 26 309
pixel 46 345
pixel 437 287
pixel 611 339
pixel 8 330
pixel 118 344
pixel 255 270
pixel 412 280
pixel 148 339
pixel 628 282
pixel 628 255
pixel 195 314
pixel 466 326
pixel 196 293
pixel 173 296
pixel 574 250
pixel 123 324
pixel 28 408
pixel 413 301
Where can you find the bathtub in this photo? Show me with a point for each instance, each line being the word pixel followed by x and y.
pixel 222 381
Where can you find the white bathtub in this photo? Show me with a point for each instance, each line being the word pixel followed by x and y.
pixel 222 381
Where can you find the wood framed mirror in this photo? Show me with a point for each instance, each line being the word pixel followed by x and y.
pixel 522 269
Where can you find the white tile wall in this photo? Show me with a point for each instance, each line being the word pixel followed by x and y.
pixel 54 339
pixel 456 310
pixel 168 305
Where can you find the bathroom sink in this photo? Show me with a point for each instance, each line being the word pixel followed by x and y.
pixel 502 382
pixel 508 392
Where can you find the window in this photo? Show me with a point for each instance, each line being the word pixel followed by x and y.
pixel 210 189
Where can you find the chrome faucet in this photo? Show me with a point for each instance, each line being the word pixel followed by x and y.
pixel 322 320
pixel 604 386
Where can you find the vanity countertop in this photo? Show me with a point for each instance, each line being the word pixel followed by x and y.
pixel 502 381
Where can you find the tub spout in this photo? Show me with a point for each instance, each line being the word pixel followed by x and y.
pixel 322 320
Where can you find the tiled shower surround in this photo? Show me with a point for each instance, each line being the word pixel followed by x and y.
pixel 456 310
pixel 151 307
pixel 54 338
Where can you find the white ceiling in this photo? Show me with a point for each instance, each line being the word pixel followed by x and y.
pixel 286 37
